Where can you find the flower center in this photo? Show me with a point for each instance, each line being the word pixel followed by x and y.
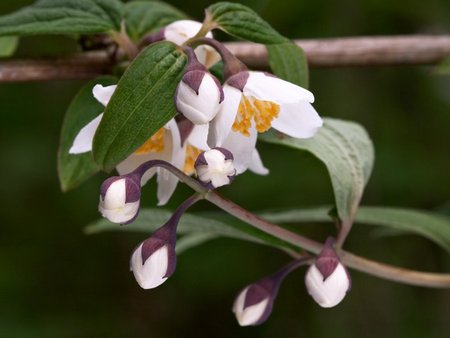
pixel 262 112
pixel 191 155
pixel 153 144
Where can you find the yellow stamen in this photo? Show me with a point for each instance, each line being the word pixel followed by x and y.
pixel 153 144
pixel 191 155
pixel 262 112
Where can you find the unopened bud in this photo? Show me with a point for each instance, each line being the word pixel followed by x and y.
pixel 254 304
pixel 120 199
pixel 199 93
pixel 154 260
pixel 327 280
pixel 215 167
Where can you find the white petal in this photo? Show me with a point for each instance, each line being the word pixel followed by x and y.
pixel 269 88
pixel 221 125
pixel 256 164
pixel 330 292
pixel 215 159
pixel 167 183
pixel 242 148
pixel 103 94
pixel 251 314
pixel 180 31
pixel 198 136
pixel 120 215
pixel 116 195
pixel 298 120
pixel 83 140
pixel 219 179
pixel 201 108
pixel 151 274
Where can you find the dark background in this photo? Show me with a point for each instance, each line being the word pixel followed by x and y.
pixel 57 282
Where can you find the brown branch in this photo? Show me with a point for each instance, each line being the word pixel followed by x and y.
pixel 339 52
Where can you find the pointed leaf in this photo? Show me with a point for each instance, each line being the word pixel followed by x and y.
pixel 288 61
pixel 64 17
pixel 347 151
pixel 141 105
pixel 75 169
pixel 243 23
pixel 435 227
pixel 143 17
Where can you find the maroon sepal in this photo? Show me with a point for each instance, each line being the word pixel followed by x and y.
pixel 327 260
pixel 238 80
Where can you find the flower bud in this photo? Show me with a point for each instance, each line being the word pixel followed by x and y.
pixel 215 167
pixel 198 96
pixel 153 261
pixel 120 199
pixel 254 304
pixel 327 280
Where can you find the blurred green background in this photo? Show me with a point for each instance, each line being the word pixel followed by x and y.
pixel 57 282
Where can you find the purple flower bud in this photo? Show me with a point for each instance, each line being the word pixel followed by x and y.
pixel 327 280
pixel 199 94
pixel 215 167
pixel 254 303
pixel 154 260
pixel 120 199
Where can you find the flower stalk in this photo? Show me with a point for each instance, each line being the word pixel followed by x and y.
pixel 374 268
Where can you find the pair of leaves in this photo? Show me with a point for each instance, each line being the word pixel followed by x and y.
pixel 200 228
pixel 287 60
pixel 64 17
pixel 348 154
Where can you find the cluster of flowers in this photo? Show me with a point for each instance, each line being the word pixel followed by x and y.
pixel 214 137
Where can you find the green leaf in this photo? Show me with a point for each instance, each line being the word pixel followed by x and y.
pixel 288 61
pixel 243 23
pixel 347 152
pixel 443 68
pixel 192 240
pixel 64 17
pixel 141 105
pixel 75 169
pixel 143 17
pixel 211 225
pixel 8 45
pixel 433 226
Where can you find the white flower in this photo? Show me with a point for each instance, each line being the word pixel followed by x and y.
pixel 180 31
pixel 151 263
pixel 120 199
pixel 198 96
pixel 327 291
pixel 165 145
pixel 256 101
pixel 252 308
pixel 215 167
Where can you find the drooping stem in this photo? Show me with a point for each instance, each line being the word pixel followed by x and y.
pixel 232 65
pixel 368 266
pixel 353 261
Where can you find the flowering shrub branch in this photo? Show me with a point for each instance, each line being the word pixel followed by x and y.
pixel 185 107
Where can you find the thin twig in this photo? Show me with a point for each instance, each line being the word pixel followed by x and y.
pixel 338 52
pixel 358 263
